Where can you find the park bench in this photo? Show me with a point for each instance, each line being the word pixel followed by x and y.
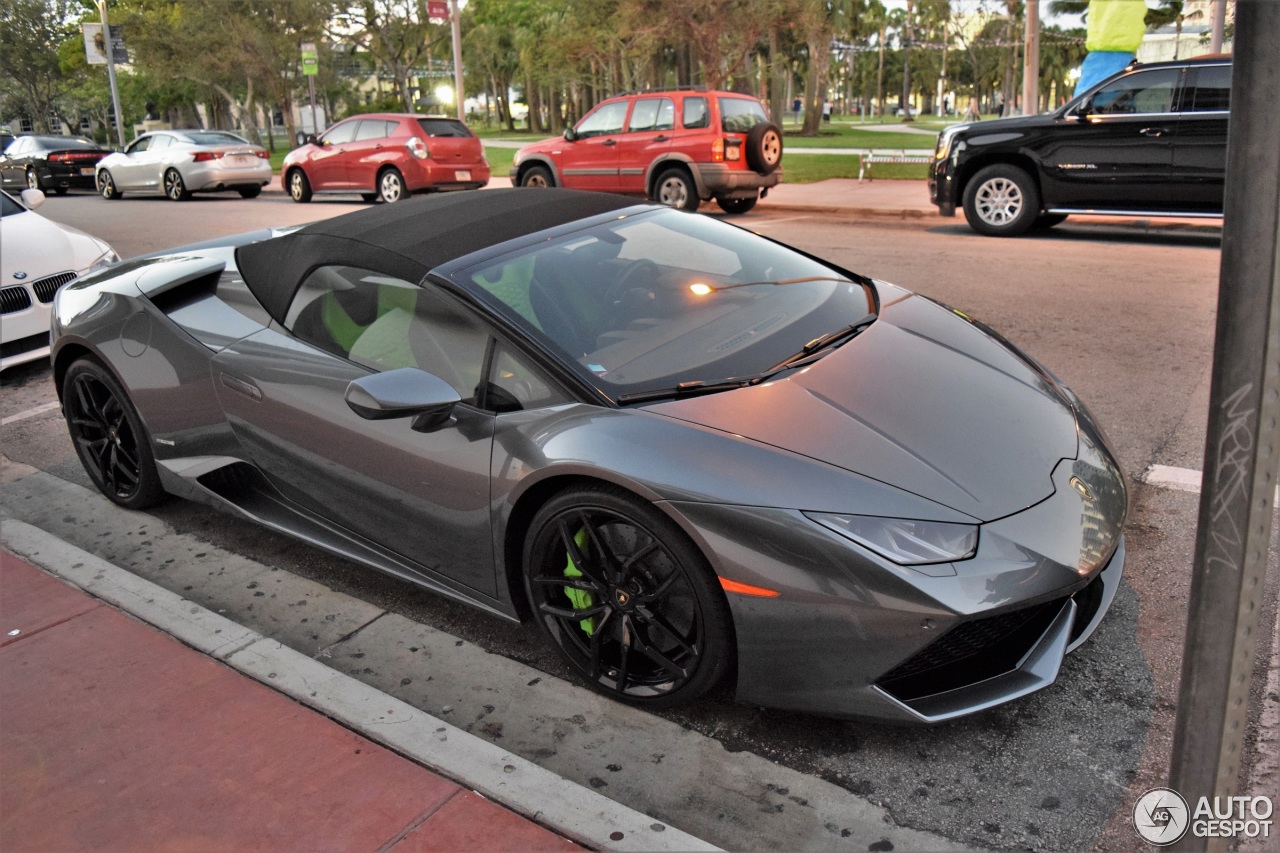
pixel 895 155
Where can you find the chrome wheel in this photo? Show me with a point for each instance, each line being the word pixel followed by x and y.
pixel 299 186
pixel 107 186
pixel 33 182
pixel 391 186
pixel 628 603
pixel 999 201
pixel 174 187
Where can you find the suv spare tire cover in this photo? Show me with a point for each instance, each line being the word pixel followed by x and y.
pixel 759 156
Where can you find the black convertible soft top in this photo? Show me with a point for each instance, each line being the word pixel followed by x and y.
pixel 409 239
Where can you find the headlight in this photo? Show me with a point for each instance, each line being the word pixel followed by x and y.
pixel 906 541
pixel 106 259
pixel 943 151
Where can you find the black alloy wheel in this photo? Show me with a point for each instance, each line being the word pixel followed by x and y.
pixel 174 187
pixel 109 437
pixel 626 599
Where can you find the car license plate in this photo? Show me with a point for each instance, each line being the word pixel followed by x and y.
pixel 240 160
pixel 86 170
pixel 462 175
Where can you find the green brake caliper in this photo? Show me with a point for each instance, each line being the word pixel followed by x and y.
pixel 580 598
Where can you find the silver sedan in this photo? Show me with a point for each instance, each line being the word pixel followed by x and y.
pixel 181 162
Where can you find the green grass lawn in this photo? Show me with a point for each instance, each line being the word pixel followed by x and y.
pixel 807 169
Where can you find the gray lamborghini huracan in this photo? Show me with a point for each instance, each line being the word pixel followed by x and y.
pixel 688 452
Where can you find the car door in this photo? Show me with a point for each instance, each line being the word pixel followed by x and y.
pixel 590 159
pixel 1117 153
pixel 648 137
pixel 422 495
pixel 327 168
pixel 131 173
pixel 1200 147
pixel 11 170
pixel 366 152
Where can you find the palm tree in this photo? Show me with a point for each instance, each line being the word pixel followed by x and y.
pixel 1170 12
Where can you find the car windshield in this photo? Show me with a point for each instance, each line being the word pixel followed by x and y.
pixel 739 115
pixel 213 137
pixel 644 304
pixel 9 205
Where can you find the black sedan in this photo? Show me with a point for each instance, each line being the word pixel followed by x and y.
pixel 51 163
pixel 690 454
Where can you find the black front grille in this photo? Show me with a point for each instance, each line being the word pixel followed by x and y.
pixel 46 287
pixel 8 349
pixel 971 652
pixel 14 299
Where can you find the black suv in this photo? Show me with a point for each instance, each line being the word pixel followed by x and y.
pixel 1150 141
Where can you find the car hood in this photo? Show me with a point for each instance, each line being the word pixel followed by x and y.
pixel 1012 124
pixel 39 247
pixel 922 400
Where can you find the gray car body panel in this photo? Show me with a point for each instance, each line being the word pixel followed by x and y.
pixel 243 416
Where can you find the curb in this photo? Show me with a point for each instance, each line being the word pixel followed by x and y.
pixel 575 812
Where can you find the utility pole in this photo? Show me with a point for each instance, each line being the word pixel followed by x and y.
pixel 1031 61
pixel 1219 24
pixel 111 69
pixel 460 94
pixel 1242 443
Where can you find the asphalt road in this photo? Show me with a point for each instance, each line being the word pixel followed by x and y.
pixel 1126 318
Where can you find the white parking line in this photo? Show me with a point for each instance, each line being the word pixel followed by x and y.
pixel 1182 480
pixel 755 225
pixel 29 413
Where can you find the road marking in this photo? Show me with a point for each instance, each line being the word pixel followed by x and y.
pixel 1181 480
pixel 29 413
pixel 755 225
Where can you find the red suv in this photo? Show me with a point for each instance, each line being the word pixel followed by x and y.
pixel 387 156
pixel 678 148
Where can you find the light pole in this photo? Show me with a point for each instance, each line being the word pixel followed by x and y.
pixel 111 69
pixel 459 92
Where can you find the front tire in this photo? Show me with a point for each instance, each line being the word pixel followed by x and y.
pixel 175 189
pixel 109 437
pixel 391 187
pixel 626 599
pixel 299 186
pixel 737 205
pixel 538 177
pixel 675 188
pixel 107 186
pixel 1001 201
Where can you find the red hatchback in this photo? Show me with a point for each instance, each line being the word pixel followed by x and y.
pixel 387 156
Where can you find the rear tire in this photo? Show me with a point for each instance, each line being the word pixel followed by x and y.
pixel 764 148
pixel 33 180
pixel 1001 201
pixel 538 177
pixel 675 188
pixel 298 185
pixel 109 437
pixel 391 187
pixel 737 205
pixel 175 189
pixel 250 192
pixel 626 599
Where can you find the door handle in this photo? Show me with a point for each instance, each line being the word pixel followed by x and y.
pixel 1154 131
pixel 610 142
pixel 661 138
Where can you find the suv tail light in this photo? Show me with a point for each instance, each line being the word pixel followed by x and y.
pixel 717 151
pixel 418 148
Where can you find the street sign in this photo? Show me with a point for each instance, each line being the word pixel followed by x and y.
pixel 95 49
pixel 310 59
pixel 437 11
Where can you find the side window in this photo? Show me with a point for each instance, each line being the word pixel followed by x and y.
pixel 160 141
pixel 652 114
pixel 385 323
pixel 1140 92
pixel 139 145
pixel 514 384
pixel 340 133
pixel 604 121
pixel 370 129
pixel 696 114
pixel 1212 89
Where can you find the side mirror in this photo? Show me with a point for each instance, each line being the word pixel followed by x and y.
pixel 32 198
pixel 404 393
pixel 570 135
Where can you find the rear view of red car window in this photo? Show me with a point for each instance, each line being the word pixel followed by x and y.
pixel 738 115
pixel 443 127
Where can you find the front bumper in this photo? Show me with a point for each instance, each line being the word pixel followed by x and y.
pixel 853 635
pixel 942 186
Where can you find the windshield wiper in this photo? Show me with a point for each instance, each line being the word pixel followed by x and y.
pixel 689 389
pixel 821 345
